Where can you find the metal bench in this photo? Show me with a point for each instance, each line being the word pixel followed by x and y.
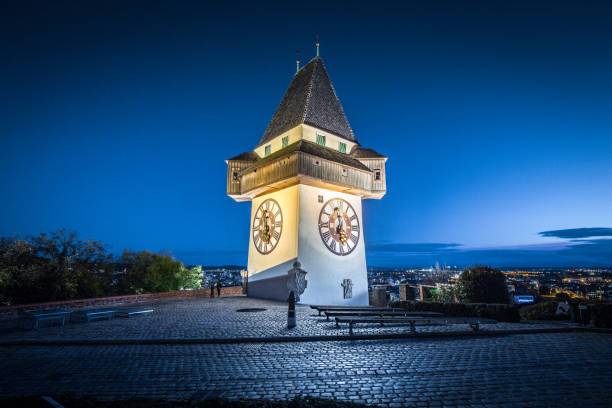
pixel 321 309
pixel 93 314
pixel 474 322
pixel 380 313
pixel 33 317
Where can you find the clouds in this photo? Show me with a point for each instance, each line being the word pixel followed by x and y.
pixel 588 247
pixel 418 247
pixel 578 250
pixel 578 233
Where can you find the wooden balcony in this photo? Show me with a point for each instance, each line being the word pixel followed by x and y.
pixel 298 165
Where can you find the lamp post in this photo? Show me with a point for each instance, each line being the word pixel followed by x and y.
pixel 296 283
pixel 245 281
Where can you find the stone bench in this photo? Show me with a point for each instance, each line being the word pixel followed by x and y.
pixel 380 313
pixel 321 309
pixel 86 316
pixel 127 313
pixel 35 317
pixel 474 322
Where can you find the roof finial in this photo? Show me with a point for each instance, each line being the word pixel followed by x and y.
pixel 317 44
pixel 297 60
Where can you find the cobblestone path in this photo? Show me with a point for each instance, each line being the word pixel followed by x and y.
pixel 528 370
pixel 204 318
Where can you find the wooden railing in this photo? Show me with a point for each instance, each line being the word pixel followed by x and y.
pixel 300 163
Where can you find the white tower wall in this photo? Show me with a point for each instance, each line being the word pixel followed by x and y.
pixel 301 240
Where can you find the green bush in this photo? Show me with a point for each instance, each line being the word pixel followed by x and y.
pixel 497 311
pixel 541 311
pixel 482 284
pixel 601 313
pixel 148 272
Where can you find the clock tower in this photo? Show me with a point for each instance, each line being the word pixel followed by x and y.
pixel 306 180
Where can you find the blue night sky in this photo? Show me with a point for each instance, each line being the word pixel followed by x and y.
pixel 496 118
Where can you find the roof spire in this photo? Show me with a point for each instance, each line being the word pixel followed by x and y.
pixel 311 100
pixel 317 44
pixel 297 60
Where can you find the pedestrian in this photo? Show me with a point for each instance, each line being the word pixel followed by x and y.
pixel 212 288
pixel 219 286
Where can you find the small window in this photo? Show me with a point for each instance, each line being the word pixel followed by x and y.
pixel 344 172
pixel 377 174
pixel 320 198
pixel 342 147
pixel 285 141
pixel 321 139
pixel 235 176
pixel 268 150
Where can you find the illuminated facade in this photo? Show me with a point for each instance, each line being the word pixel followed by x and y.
pixel 306 179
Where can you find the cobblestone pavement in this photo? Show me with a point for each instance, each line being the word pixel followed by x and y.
pixel 204 318
pixel 523 370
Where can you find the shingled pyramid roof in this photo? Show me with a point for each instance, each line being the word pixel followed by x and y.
pixel 310 99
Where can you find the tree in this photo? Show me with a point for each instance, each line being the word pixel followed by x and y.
pixel 445 295
pixel 194 278
pixel 148 272
pixel 52 266
pixel 482 284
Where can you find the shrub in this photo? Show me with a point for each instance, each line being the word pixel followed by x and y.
pixel 541 311
pixel 497 311
pixel 482 284
pixel 148 272
pixel 601 313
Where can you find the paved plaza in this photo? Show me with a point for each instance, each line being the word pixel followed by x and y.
pixel 205 318
pixel 547 369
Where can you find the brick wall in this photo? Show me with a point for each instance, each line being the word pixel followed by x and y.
pixel 7 312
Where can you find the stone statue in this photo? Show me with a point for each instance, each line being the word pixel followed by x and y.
pixel 296 280
pixel 347 285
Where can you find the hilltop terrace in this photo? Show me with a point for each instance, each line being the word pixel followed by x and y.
pixel 202 347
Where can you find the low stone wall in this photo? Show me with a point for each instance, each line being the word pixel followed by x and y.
pixel 8 312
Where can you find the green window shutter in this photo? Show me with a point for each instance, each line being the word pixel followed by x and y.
pixel 268 150
pixel 342 147
pixel 321 139
pixel 285 141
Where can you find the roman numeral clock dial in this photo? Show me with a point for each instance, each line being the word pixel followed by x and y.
pixel 267 226
pixel 339 226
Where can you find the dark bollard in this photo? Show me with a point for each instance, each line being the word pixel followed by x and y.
pixel 291 312
pixel 584 313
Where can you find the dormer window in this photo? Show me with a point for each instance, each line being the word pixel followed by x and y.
pixel 268 150
pixel 342 147
pixel 321 139
pixel 285 141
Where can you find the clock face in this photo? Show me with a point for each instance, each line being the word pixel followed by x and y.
pixel 267 226
pixel 339 226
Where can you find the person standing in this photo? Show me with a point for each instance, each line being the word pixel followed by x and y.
pixel 212 288
pixel 219 286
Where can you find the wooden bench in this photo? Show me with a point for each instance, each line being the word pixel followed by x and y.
pixel 34 317
pixel 93 314
pixel 321 309
pixel 380 313
pixel 127 313
pixel 474 322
